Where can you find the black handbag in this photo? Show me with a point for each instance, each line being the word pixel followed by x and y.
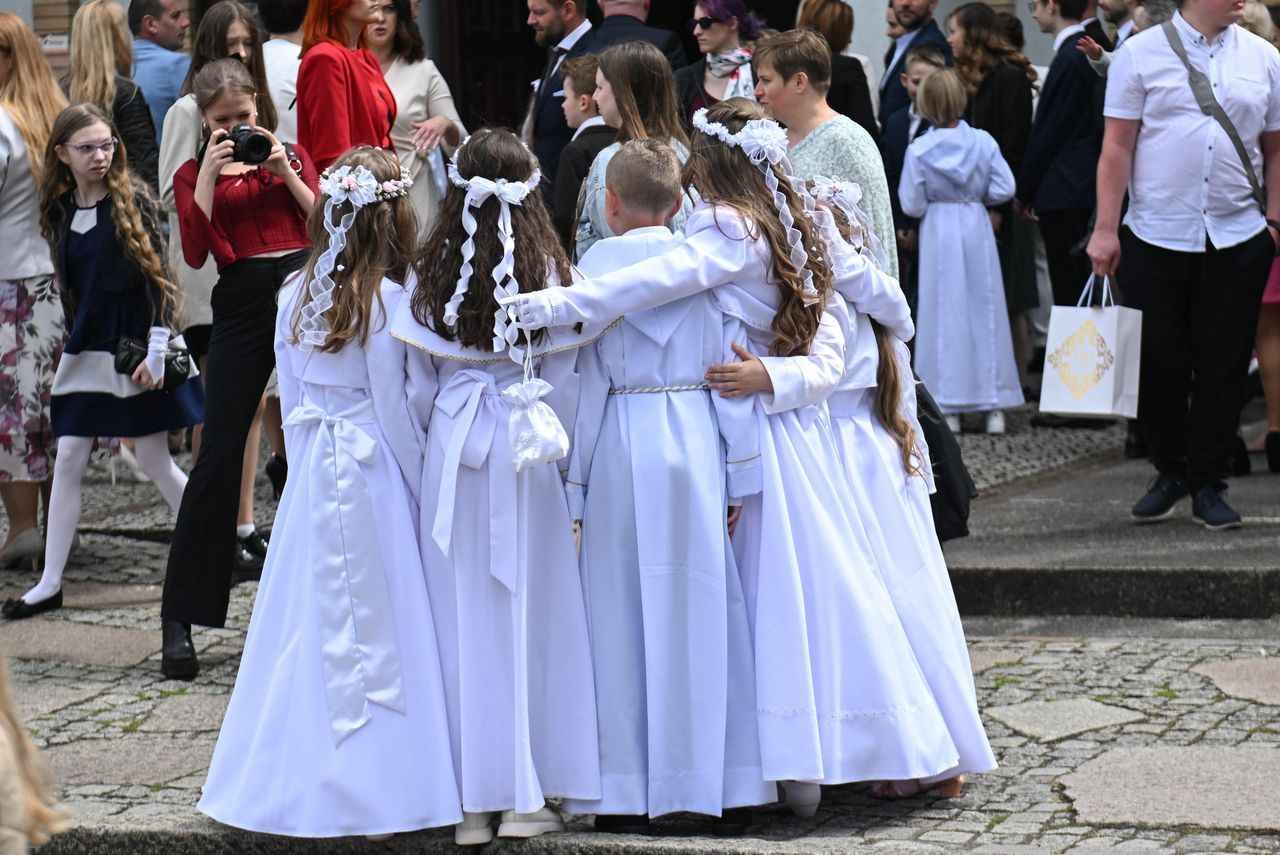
pixel 130 352
pixel 955 486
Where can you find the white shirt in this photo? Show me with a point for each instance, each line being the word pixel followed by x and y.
pixel 1187 180
pixel 913 122
pixel 283 59
pixel 1124 31
pixel 566 44
pixel 1066 33
pixel 592 122
pixel 900 46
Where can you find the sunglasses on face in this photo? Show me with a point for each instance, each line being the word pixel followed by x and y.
pixel 704 22
pixel 88 149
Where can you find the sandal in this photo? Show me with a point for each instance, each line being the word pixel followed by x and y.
pixel 949 788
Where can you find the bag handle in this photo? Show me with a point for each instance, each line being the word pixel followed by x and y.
pixel 1202 88
pixel 1086 295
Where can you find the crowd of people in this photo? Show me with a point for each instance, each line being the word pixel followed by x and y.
pixel 634 385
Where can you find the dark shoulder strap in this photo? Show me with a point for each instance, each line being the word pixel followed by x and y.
pixel 1202 88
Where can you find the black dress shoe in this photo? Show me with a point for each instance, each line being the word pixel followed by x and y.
pixel 277 470
pixel 17 608
pixel 1240 462
pixel 1272 448
pixel 251 554
pixel 622 823
pixel 732 823
pixel 178 655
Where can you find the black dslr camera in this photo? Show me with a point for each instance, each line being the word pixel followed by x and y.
pixel 250 146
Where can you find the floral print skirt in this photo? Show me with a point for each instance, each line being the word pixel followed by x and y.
pixel 32 329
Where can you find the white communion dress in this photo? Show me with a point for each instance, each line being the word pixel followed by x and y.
pixel 337 724
pixel 656 459
pixel 502 573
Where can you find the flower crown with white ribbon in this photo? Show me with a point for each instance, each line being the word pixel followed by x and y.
pixel 479 189
pixel 343 185
pixel 764 142
pixel 846 195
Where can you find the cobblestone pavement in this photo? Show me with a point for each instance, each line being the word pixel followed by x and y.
pixel 1135 738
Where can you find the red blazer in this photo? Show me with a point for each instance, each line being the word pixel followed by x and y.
pixel 343 101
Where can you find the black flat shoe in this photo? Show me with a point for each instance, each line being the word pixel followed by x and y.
pixel 732 823
pixel 17 608
pixel 1272 449
pixel 178 655
pixel 622 824
pixel 278 471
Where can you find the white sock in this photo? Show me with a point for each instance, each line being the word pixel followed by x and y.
pixel 64 514
pixel 245 530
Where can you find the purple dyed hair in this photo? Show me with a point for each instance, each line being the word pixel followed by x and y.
pixel 750 25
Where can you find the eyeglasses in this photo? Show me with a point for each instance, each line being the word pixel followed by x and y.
pixel 88 149
pixel 1033 5
pixel 704 22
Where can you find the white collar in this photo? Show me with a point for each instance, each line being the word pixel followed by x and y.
pixel 1124 30
pixel 1191 34
pixel 1066 33
pixel 593 122
pixel 567 43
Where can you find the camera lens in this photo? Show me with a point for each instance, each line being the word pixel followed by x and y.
pixel 251 146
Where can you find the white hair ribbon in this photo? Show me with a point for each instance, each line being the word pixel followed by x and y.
pixel 359 187
pixel 846 195
pixel 508 193
pixel 764 142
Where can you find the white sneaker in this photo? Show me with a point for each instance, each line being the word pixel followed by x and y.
pixel 995 421
pixel 476 829
pixel 541 821
pixel 953 422
pixel 802 797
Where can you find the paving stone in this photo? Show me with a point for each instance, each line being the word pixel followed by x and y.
pixel 1052 720
pixel 187 714
pixel 1252 679
pixel 981 660
pixel 38 697
pixel 129 760
pixel 68 640
pixel 1218 788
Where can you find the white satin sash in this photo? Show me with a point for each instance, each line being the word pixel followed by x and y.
pixel 359 654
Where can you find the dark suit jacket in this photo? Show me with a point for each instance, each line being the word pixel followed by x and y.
pixel 626 28
pixel 1002 108
pixel 689 85
pixel 893 95
pixel 894 150
pixel 1095 31
pixel 575 162
pixel 1058 169
pixel 550 132
pixel 850 95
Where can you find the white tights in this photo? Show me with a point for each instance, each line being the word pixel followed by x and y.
pixel 152 453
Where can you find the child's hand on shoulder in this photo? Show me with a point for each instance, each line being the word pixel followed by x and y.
pixel 1089 48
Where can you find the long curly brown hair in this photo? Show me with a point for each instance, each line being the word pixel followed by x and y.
pixel 985 45
pixel 724 176
pixel 381 238
pixel 43 815
pixel 540 260
pixel 134 212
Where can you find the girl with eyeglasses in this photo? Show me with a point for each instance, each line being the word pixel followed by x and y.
pixel 108 247
pixel 722 28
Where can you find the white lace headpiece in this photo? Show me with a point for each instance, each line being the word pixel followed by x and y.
pixel 846 195
pixel 764 142
pixel 343 185
pixel 479 190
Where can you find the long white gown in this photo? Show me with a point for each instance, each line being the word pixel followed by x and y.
pixel 964 346
pixel 502 573
pixel 840 696
pixel 650 477
pixel 337 724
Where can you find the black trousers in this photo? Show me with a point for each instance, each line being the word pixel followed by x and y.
pixel 197 582
pixel 1199 317
pixel 1062 232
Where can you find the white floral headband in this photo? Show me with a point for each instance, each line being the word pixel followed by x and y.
pixel 479 189
pixel 764 142
pixel 343 185
pixel 846 195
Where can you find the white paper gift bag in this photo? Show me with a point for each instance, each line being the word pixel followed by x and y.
pixel 1092 356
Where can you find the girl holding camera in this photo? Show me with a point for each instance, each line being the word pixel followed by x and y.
pixel 252 218
pixel 108 249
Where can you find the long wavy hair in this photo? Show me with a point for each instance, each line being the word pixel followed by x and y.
pixel 135 214
pixel 381 238
pixel 540 260
pixel 101 50
pixel 985 45
pixel 724 176
pixel 645 90
pixel 210 43
pixel 42 812
pixel 29 94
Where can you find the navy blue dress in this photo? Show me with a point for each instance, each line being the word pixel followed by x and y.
pixel 106 296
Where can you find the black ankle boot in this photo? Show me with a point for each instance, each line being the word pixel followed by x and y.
pixel 178 655
pixel 278 472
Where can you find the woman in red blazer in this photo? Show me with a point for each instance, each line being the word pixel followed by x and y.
pixel 343 101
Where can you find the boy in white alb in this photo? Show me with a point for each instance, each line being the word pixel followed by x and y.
pixel 658 460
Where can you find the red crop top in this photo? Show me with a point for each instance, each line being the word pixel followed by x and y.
pixel 253 213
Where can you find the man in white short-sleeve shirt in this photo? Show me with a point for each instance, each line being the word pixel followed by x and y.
pixel 1196 246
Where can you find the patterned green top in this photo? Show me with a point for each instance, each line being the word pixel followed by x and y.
pixel 842 150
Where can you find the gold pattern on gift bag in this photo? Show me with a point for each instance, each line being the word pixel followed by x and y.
pixel 1082 359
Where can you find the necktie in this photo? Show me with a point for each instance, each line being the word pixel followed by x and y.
pixel 550 69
